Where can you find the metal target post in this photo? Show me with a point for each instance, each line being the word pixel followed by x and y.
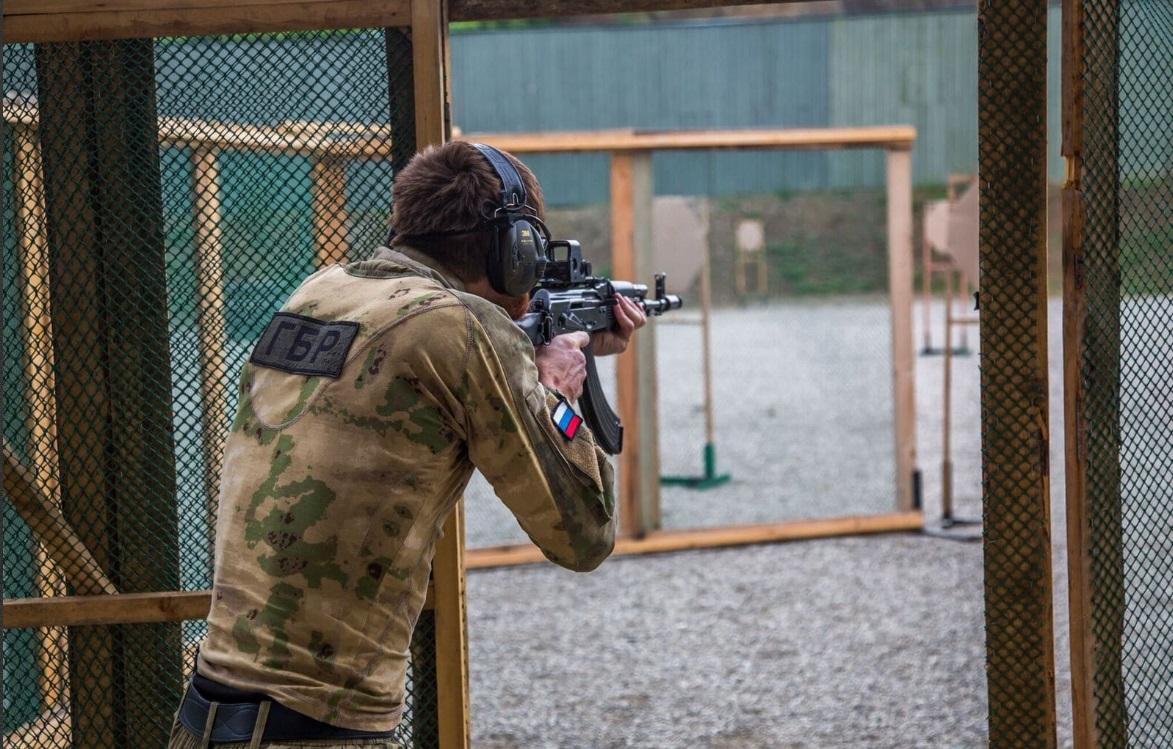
pixel 710 478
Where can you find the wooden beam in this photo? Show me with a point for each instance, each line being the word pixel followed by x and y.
pixel 899 137
pixel 1015 422
pixel 75 20
pixel 429 39
pixel 44 518
pixel 328 187
pixel 44 21
pixel 657 542
pixel 496 10
pixel 33 260
pixel 631 249
pixel 212 323
pixel 899 183
pixel 1092 364
pixel 53 725
pixel 429 48
pixel 127 608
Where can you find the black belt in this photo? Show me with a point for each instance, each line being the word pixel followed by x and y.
pixel 236 720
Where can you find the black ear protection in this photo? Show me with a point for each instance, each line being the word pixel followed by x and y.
pixel 517 256
pixel 517 252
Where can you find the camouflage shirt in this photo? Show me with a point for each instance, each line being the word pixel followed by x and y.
pixel 334 490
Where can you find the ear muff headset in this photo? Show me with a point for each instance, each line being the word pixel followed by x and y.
pixel 517 251
pixel 517 255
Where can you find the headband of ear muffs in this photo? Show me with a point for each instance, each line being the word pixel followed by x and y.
pixel 517 253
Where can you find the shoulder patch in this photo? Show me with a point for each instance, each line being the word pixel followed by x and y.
pixel 302 345
pixel 566 419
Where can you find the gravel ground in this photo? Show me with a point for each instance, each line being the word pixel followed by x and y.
pixel 804 418
pixel 856 642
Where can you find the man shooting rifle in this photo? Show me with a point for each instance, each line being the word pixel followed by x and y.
pixel 367 403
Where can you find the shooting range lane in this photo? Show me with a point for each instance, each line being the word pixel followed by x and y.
pixel 763 645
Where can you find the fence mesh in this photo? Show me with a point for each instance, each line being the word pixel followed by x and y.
pixel 163 197
pixel 1012 172
pixel 1126 364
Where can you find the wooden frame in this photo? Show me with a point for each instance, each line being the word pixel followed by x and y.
pixel 1079 598
pixel 77 20
pixel 1093 387
pixel 63 20
pixel 632 189
pixel 658 542
pixel 125 608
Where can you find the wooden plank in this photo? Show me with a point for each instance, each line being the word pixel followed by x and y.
pixel 290 138
pixel 328 187
pixel 900 294
pixel 212 323
pixel 706 322
pixel 1078 532
pixel 1071 72
pixel 320 140
pixel 44 21
pixel 1017 549
pixel 626 367
pixel 661 541
pixel 44 518
pixel 888 137
pixel 429 41
pixel 1092 352
pixel 1081 627
pixel 33 258
pixel 52 725
pixel 127 608
pixel 639 463
pixel 485 10
pixel 947 405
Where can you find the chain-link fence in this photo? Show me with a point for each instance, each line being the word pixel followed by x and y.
pixel 1122 291
pixel 163 197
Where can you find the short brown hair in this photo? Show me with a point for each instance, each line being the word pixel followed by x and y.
pixel 447 188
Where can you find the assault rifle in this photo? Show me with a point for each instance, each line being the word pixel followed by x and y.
pixel 569 299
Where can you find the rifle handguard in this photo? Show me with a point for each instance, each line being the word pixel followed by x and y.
pixel 596 412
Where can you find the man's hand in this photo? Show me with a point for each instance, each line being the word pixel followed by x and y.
pixel 562 365
pixel 629 317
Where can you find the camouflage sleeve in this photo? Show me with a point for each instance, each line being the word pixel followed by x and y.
pixel 561 490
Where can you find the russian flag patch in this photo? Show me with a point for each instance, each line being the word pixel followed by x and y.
pixel 566 420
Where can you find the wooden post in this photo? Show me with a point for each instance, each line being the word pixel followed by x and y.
pixel 212 323
pixel 1015 421
pixel 899 178
pixel 429 46
pixel 707 355
pixel 29 226
pixel 328 184
pixel 631 237
pixel 1092 385
pixel 926 283
pixel 947 406
pixel 113 379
